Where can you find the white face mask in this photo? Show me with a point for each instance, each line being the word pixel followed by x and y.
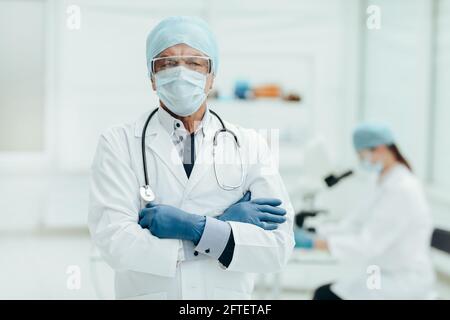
pixel 369 166
pixel 181 90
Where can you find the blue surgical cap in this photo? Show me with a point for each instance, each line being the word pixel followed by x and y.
pixel 191 31
pixel 370 135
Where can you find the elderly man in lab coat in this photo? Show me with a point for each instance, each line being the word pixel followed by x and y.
pixel 197 239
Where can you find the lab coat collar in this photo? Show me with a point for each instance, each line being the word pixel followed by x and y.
pixel 176 126
pixel 392 175
pixel 159 141
pixel 168 122
pixel 152 127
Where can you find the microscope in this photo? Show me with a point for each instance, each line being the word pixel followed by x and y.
pixel 318 176
pixel 310 209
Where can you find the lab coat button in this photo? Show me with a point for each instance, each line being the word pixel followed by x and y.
pixel 195 253
pixel 207 250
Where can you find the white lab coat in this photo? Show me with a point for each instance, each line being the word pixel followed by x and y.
pixel 148 267
pixel 390 234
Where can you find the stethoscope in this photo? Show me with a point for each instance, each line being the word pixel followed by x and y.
pixel 146 191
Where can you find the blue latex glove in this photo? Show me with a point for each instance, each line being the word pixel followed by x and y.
pixel 303 239
pixel 167 222
pixel 262 212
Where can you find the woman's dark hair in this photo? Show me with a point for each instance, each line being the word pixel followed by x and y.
pixel 398 156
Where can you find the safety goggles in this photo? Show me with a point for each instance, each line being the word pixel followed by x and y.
pixel 194 63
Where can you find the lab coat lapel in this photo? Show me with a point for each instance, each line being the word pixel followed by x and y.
pixel 159 142
pixel 166 151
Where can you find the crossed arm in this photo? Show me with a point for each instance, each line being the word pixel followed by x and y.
pixel 212 236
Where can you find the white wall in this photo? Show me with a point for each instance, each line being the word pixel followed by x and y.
pixel 441 147
pixel 397 60
pixel 406 82
pixel 21 76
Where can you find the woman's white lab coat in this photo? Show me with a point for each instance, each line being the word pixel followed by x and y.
pixel 150 268
pixel 390 236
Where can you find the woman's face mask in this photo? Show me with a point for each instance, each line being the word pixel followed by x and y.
pixel 369 165
pixel 181 90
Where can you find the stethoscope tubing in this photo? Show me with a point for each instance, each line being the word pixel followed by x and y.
pixel 224 129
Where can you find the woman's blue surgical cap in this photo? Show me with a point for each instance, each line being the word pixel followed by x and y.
pixel 191 31
pixel 371 135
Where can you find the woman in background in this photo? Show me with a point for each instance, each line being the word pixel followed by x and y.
pixel 388 241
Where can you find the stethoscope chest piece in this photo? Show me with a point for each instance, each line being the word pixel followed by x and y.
pixel 147 193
